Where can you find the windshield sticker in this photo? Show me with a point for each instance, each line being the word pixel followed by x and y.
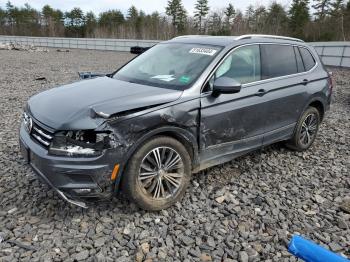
pixel 166 78
pixel 203 51
pixel 184 79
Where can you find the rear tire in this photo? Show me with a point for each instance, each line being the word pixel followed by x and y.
pixel 157 174
pixel 306 130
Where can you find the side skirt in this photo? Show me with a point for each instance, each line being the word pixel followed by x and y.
pixel 222 153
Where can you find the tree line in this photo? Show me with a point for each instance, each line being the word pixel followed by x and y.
pixel 327 20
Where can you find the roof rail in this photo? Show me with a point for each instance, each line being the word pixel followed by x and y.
pixel 268 36
pixel 187 36
pixel 211 36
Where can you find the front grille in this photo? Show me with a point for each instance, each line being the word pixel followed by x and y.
pixel 41 135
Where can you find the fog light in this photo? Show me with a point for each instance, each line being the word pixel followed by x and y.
pixel 82 190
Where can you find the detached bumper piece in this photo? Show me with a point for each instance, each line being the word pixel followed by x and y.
pixel 310 252
pixel 74 202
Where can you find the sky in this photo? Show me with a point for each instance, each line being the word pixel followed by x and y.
pixel 148 6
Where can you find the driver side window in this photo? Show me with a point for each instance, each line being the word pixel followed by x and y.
pixel 243 65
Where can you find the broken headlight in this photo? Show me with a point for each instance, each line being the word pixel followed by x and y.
pixel 80 143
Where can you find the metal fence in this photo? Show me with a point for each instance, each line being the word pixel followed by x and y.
pixel 81 43
pixel 332 53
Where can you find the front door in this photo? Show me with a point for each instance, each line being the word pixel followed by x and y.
pixel 232 124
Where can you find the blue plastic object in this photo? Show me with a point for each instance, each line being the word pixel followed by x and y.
pixel 310 252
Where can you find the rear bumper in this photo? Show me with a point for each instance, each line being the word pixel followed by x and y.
pixel 76 180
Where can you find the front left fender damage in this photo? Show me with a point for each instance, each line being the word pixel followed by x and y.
pixel 129 132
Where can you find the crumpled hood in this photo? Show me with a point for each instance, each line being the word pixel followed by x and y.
pixel 69 107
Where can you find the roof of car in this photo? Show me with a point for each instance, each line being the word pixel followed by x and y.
pixel 231 40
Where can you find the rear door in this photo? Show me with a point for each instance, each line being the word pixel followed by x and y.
pixel 285 90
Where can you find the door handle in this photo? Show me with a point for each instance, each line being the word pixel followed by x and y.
pixel 261 92
pixel 305 82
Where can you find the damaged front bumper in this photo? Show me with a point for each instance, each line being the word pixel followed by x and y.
pixel 77 180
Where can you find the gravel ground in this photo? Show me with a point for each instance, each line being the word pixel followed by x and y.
pixel 244 210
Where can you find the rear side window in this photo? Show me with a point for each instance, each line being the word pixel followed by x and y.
pixel 300 63
pixel 277 60
pixel 308 59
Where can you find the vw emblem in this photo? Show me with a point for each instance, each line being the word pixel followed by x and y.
pixel 28 122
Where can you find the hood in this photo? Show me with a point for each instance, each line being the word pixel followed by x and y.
pixel 70 107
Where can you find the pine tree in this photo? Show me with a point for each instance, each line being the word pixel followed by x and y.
pixel 230 13
pixel 134 21
pixel 201 11
pixel 337 7
pixel 299 17
pixel 259 19
pixel 90 23
pixel 133 13
pixel 178 15
pixel 2 19
pixel 277 20
pixel 322 8
pixel 337 17
pixel 249 14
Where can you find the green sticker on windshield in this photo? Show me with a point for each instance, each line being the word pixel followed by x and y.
pixel 184 79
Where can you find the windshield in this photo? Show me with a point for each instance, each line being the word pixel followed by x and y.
pixel 172 65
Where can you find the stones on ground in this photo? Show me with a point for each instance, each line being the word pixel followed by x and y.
pixel 319 199
pixel 211 241
pixel 145 247
pixel 220 199
pixel 139 256
pixel 345 205
pixel 243 256
pixel 82 255
pixel 187 240
pixel 99 242
pixel 335 247
pixel 12 211
pixel 19 47
pixel 128 229
pixel 162 254
pixel 205 257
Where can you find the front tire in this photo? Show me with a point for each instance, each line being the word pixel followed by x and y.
pixel 157 174
pixel 306 130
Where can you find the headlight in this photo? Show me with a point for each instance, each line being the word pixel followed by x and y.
pixel 80 143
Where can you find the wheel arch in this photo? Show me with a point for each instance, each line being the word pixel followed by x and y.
pixel 317 102
pixel 184 136
pixel 319 106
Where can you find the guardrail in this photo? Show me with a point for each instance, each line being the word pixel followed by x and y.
pixel 331 53
pixel 81 43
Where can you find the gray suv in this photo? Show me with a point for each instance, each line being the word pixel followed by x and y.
pixel 180 107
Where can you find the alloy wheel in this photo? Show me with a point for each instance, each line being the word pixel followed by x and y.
pixel 161 173
pixel 308 130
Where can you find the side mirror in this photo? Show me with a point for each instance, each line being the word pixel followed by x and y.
pixel 226 85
